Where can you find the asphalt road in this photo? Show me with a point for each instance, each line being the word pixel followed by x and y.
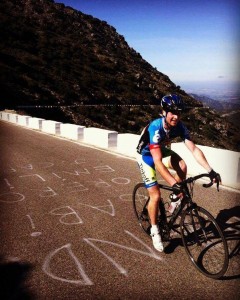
pixel 68 230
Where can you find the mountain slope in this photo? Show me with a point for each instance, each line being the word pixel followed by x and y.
pixel 220 106
pixel 52 55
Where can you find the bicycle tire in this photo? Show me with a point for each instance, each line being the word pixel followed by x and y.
pixel 204 242
pixel 140 199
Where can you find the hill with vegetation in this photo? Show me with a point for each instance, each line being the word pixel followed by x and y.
pixel 59 63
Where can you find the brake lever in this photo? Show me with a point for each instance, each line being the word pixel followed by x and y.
pixel 218 186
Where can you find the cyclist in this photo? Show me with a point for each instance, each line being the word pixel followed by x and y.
pixel 153 153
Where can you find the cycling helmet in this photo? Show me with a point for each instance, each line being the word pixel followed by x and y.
pixel 172 103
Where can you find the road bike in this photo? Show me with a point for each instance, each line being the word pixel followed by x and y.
pixel 200 233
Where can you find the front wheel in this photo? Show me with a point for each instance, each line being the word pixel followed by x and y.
pixel 140 205
pixel 204 242
pixel 140 201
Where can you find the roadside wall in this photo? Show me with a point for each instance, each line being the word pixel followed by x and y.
pixel 225 162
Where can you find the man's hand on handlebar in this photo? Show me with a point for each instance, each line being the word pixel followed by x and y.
pixel 215 178
pixel 178 190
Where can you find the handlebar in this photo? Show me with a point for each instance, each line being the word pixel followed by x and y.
pixel 206 185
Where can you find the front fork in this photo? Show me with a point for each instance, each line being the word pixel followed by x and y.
pixel 194 212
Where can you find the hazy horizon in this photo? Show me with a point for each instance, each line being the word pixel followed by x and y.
pixel 220 87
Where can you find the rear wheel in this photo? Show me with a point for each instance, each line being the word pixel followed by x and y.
pixel 204 242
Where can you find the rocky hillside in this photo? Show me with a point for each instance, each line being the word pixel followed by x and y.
pixel 59 63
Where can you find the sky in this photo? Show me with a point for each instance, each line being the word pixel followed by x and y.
pixel 194 42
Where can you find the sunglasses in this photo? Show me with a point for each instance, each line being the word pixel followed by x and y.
pixel 176 112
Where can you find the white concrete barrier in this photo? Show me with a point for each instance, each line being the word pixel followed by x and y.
pixel 23 120
pixel 13 118
pixel 5 116
pixel 100 137
pixel 72 131
pixel 127 143
pixel 51 127
pixel 225 162
pixel 35 123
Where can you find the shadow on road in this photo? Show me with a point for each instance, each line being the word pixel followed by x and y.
pixel 174 243
pixel 13 275
pixel 229 221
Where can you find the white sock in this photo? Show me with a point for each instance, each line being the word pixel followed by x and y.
pixel 154 229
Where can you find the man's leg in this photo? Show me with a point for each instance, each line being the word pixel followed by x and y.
pixel 148 172
pixel 155 196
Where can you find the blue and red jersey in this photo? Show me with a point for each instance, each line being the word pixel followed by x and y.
pixel 155 135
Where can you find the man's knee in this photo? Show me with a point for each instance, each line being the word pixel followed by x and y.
pixel 177 162
pixel 155 195
pixel 183 166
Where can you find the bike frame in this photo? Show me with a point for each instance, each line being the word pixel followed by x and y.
pixel 187 199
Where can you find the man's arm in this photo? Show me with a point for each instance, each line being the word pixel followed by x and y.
pixel 166 175
pixel 198 155
pixel 201 159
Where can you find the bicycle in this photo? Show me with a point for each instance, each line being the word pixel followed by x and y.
pixel 201 235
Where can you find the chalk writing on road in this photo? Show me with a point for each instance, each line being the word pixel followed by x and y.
pixel 68 215
pixel 45 181
pixel 35 233
pixel 126 197
pixel 45 192
pixel 85 280
pixel 121 180
pixel 8 184
pixel 38 176
pixel 121 270
pixel 11 197
pixel 103 208
pixel 75 186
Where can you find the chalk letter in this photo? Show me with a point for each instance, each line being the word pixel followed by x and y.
pixel 70 214
pixel 150 252
pixel 46 267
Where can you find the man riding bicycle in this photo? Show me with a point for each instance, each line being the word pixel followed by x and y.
pixel 152 154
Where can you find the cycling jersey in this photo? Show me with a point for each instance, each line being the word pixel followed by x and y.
pixel 156 136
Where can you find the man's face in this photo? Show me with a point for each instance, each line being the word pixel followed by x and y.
pixel 172 118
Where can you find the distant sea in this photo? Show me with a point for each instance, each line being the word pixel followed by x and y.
pixel 217 90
